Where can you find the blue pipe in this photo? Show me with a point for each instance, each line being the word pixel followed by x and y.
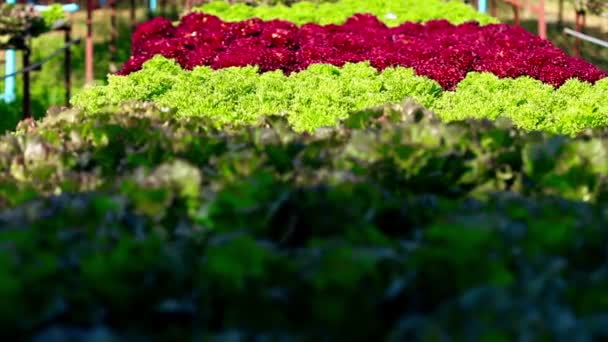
pixel 152 5
pixel 69 8
pixel 10 66
pixel 483 6
pixel 9 82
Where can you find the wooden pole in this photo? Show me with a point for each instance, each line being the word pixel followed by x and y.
pixel 515 14
pixel 163 8
pixel 89 44
pixel 542 22
pixel 113 35
pixel 67 66
pixel 27 112
pixel 132 15
pixel 579 28
pixel 174 8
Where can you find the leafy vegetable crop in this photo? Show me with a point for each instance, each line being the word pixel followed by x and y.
pixel 313 98
pixel 391 225
pixel 208 215
pixel 322 94
pixel 438 49
pixel 392 12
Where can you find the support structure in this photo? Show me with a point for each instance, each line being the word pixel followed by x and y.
pixel 585 37
pixel 67 67
pixel 88 72
pixel 10 66
pixel 152 6
pixel 580 22
pixel 482 6
pixel 579 35
pixel 27 110
pixel 536 7
pixel 133 15
pixel 23 44
pixel 113 35
pixel 89 47
pixel 10 63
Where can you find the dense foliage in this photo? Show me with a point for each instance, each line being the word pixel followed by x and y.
pixel 392 12
pixel 437 49
pixel 321 94
pixel 208 215
pixel 274 2
pixel 313 98
pixel 392 225
pixel 531 105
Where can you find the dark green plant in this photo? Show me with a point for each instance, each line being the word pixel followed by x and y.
pixel 132 224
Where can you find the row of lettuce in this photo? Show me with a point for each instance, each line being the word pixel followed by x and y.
pixel 322 94
pixel 436 49
pixel 210 73
pixel 132 216
pixel 392 12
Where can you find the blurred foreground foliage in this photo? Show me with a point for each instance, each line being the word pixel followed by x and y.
pixel 132 224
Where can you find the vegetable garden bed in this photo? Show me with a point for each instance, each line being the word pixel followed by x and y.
pixel 205 198
pixel 467 70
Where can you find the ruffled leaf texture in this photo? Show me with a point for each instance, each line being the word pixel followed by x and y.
pixel 438 49
pixel 324 93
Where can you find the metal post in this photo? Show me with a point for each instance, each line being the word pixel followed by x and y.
pixel 67 66
pixel 26 83
pixel 89 44
pixel 586 38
